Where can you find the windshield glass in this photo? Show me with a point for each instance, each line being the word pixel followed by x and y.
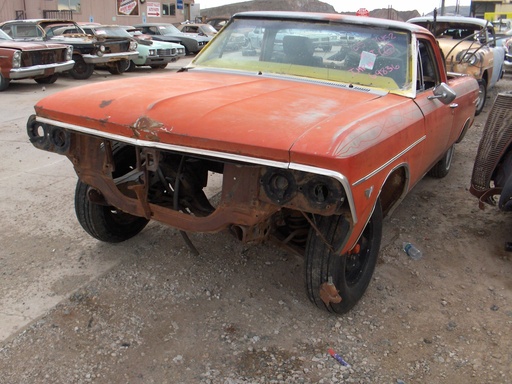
pixel 168 30
pixel 334 52
pixel 112 31
pixel 4 36
pixel 207 28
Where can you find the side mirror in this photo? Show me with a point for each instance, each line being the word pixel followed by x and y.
pixel 444 93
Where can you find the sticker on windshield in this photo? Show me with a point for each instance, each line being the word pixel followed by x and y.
pixel 367 60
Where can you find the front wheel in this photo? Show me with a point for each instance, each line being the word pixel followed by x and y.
pixel 482 94
pixel 4 83
pixel 48 79
pixel 118 67
pixel 349 273
pixel 442 167
pixel 159 66
pixel 81 70
pixel 105 222
pixel 131 66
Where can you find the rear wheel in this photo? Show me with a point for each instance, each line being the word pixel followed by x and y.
pixel 105 222
pixel 482 94
pixel 442 167
pixel 349 273
pixel 81 70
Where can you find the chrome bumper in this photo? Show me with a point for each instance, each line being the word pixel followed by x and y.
pixel 40 70
pixel 95 59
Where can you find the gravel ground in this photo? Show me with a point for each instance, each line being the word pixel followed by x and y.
pixel 239 313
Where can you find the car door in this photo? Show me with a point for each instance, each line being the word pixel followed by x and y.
pixel 438 116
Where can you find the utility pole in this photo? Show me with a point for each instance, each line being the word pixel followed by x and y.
pixel 442 7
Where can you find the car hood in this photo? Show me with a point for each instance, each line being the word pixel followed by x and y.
pixel 252 116
pixel 27 46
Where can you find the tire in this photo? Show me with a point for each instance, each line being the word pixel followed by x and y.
pixel 118 67
pixel 47 80
pixel 131 66
pixel 105 222
pixel 482 90
pixel 350 274
pixel 442 167
pixel 81 70
pixel 160 66
pixel 4 83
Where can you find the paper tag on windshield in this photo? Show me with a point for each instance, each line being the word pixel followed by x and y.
pixel 367 60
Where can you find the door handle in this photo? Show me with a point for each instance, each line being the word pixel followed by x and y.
pixel 454 105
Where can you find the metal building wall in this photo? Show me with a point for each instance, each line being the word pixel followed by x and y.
pixel 99 11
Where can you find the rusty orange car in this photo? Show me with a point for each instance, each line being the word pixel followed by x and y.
pixel 313 147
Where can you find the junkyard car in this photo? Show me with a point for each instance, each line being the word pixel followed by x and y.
pixel 152 53
pixel 39 61
pixel 198 29
pixel 313 148
pixel 492 171
pixel 505 41
pixel 169 33
pixel 88 50
pixel 469 46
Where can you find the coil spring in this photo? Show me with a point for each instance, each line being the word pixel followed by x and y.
pixel 298 228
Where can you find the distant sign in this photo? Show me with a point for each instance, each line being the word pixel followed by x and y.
pixel 362 12
pixel 179 4
pixel 127 7
pixel 153 9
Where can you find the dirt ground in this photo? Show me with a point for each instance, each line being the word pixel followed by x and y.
pixel 74 310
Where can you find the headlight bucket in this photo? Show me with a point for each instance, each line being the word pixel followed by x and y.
pixel 301 190
pixel 16 59
pixel 69 53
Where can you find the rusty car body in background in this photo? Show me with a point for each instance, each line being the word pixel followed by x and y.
pixel 469 46
pixel 313 148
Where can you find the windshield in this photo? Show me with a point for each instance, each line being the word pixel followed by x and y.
pixel 4 36
pixel 168 30
pixel 207 28
pixel 334 52
pixel 111 31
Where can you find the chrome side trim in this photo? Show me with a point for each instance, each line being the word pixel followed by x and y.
pixel 390 161
pixel 205 152
pixel 171 147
